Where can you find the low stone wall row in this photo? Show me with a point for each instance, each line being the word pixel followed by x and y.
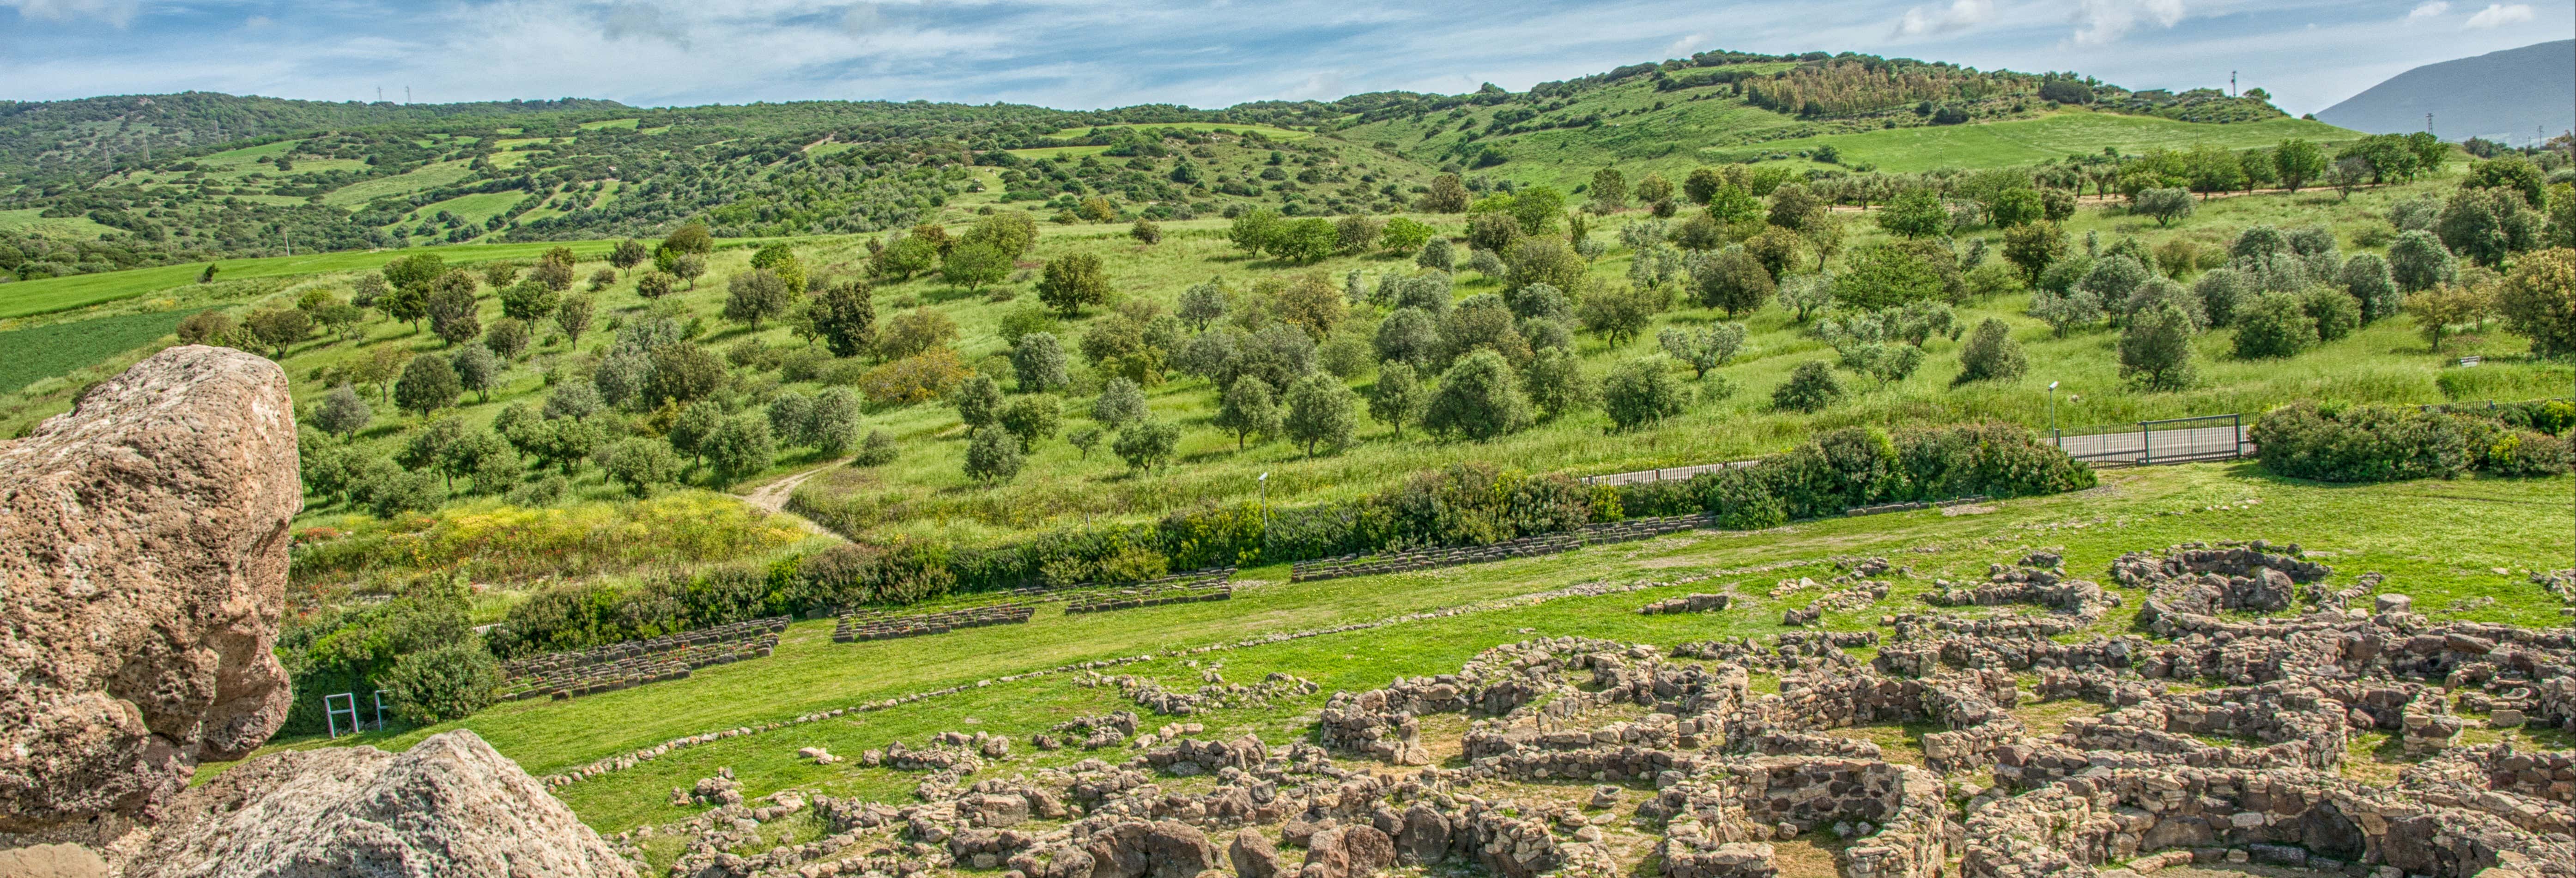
pixel 1187 588
pixel 1858 511
pixel 879 627
pixel 1421 559
pixel 1128 600
pixel 620 665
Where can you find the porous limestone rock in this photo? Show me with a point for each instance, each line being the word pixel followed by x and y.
pixel 449 807
pixel 143 540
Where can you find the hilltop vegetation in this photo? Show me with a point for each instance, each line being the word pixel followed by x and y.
pixel 136 181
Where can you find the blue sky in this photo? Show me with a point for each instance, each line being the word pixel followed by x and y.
pixel 1080 54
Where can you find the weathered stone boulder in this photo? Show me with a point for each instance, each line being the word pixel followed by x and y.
pixel 1253 855
pixel 450 807
pixel 143 540
pixel 1160 849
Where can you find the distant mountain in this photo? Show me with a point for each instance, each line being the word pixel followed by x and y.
pixel 2507 96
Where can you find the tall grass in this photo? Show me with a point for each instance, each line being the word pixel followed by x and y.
pixel 491 541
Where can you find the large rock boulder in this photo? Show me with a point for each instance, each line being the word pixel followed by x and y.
pixel 143 540
pixel 449 807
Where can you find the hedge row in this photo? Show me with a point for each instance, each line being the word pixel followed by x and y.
pixel 2374 443
pixel 1464 504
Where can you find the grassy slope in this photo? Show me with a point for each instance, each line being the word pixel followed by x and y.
pixel 1645 130
pixel 928 490
pixel 1273 132
pixel 2029 141
pixel 2435 540
pixel 33 220
pixel 430 176
pixel 26 298
pixel 2384 362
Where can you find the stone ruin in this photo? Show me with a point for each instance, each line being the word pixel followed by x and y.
pixel 143 549
pixel 886 625
pixel 1570 745
pixel 608 668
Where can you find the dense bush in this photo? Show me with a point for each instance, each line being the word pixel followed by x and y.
pixel 1476 503
pixel 450 681
pixel 355 648
pixel 1463 504
pixel 2361 443
pixel 2335 443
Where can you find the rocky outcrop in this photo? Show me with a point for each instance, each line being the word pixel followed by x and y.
pixel 449 807
pixel 143 541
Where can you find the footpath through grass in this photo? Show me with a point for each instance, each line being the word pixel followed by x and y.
pixel 2467 543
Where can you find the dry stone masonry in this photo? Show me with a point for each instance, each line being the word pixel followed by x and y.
pixel 882 625
pixel 616 666
pixel 1207 585
pixel 2213 737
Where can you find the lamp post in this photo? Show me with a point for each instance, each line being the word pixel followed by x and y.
pixel 2054 436
pixel 1264 480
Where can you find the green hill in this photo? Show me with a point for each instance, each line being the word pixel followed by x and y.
pixel 103 184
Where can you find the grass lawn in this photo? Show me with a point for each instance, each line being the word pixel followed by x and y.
pixel 2440 542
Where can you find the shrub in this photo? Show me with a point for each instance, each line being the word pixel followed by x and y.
pixel 2335 312
pixel 877 450
pixel 1640 392
pixel 1146 443
pixel 2274 325
pixel 2539 300
pixel 1991 354
pixel 1812 387
pixel 2524 453
pixel 918 378
pixel 443 683
pixel 1479 398
pixel 2365 443
pixel 2155 349
pixel 993 455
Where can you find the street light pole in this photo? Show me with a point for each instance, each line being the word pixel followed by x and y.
pixel 1264 480
pixel 2054 436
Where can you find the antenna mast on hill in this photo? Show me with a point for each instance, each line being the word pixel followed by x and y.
pixel 380 94
pixel 2428 123
pixel 2231 83
pixel 406 95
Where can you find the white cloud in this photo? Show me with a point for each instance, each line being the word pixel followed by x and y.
pixel 1682 47
pixel 2101 22
pixel 115 12
pixel 2428 10
pixel 642 22
pixel 2499 15
pixel 1960 15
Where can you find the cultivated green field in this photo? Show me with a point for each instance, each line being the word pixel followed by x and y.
pixel 2440 542
pixel 2029 141
pixel 1272 132
pixel 34 220
pixel 26 298
pixel 429 176
pixel 31 355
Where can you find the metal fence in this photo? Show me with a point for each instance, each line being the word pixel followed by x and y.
pixel 2173 440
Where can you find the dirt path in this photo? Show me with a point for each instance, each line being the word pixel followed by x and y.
pixel 772 497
